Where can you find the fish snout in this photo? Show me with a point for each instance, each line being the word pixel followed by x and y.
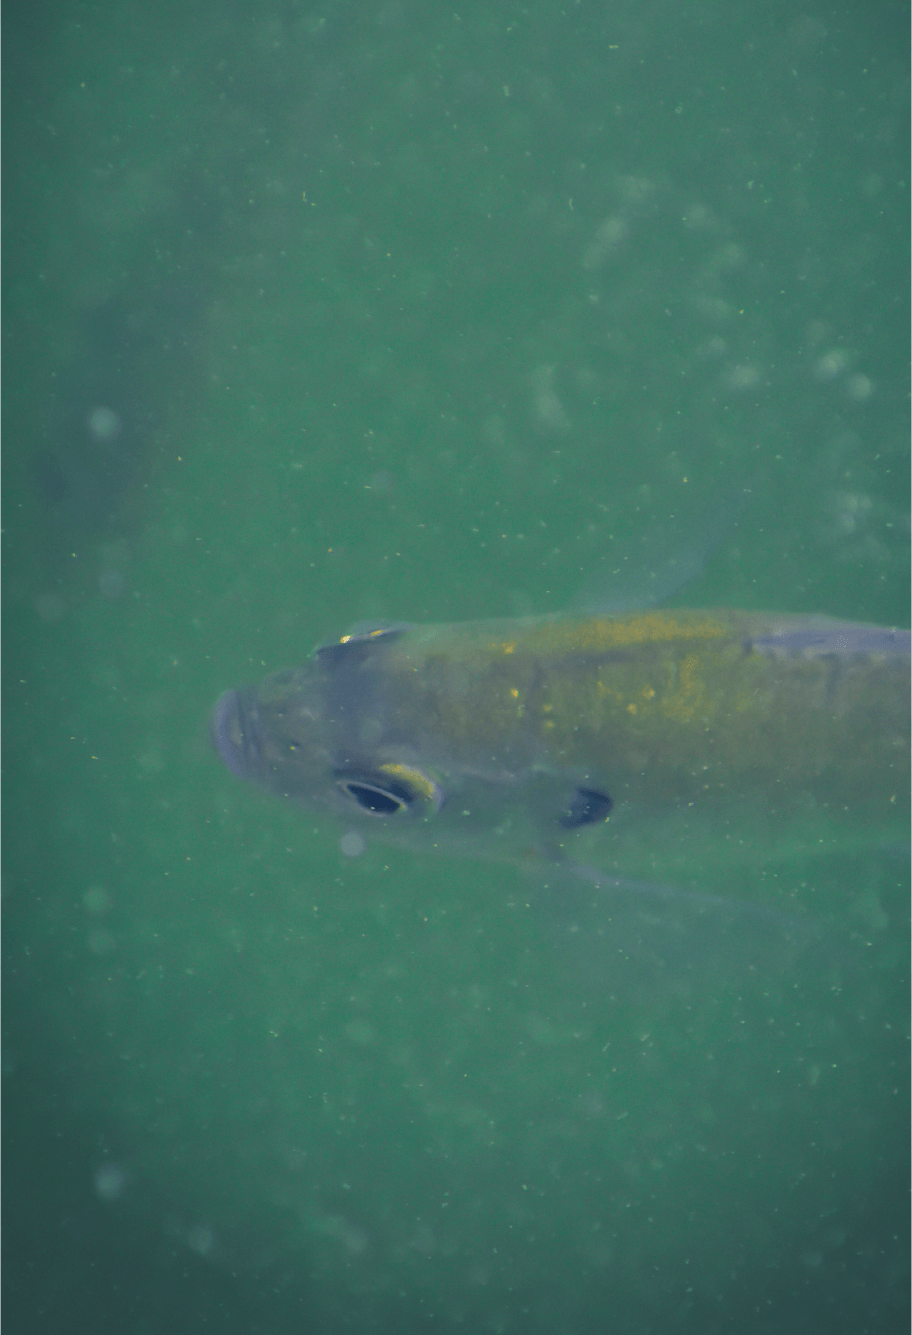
pixel 232 735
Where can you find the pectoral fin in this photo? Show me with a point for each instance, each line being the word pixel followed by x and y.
pixel 654 939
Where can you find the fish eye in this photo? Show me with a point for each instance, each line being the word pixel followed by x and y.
pixel 586 807
pixel 391 790
pixel 378 801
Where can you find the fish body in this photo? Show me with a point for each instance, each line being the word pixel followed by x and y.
pixel 548 734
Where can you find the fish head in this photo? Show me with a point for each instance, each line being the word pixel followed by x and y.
pixel 340 736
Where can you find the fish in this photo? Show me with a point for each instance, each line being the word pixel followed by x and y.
pixel 635 745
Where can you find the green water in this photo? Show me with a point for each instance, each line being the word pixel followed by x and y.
pixel 453 315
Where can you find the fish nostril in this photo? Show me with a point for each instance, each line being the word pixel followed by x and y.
pixel 228 734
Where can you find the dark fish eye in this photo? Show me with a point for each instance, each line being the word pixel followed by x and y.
pixel 586 807
pixel 391 789
pixel 379 801
pixel 379 796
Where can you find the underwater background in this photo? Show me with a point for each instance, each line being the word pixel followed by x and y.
pixel 318 314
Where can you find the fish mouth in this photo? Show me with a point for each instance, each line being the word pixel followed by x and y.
pixel 235 735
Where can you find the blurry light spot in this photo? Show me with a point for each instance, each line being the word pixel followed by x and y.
pixel 714 347
pixel 353 844
pixel 831 364
pixel 104 425
pixel 731 256
pixel 352 1238
pixel 848 511
pixel 860 387
pixel 743 377
pixel 549 412
pixel 49 607
pixel 150 758
pixel 200 1239
pixel 96 899
pixel 699 218
pixel 713 308
pixel 111 583
pixel 608 236
pixel 381 482
pixel 110 1181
